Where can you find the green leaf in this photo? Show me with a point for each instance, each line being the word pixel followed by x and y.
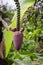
pixel 25 1
pixel 8 38
pixel 17 55
pixel 19 62
pixel 37 31
pixel 25 6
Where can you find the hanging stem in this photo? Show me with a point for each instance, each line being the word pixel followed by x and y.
pixel 18 14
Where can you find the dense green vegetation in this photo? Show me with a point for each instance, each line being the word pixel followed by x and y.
pixel 31 51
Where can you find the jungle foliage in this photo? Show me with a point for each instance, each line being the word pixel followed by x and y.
pixel 31 51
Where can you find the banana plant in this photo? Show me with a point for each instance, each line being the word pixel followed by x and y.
pixel 8 34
